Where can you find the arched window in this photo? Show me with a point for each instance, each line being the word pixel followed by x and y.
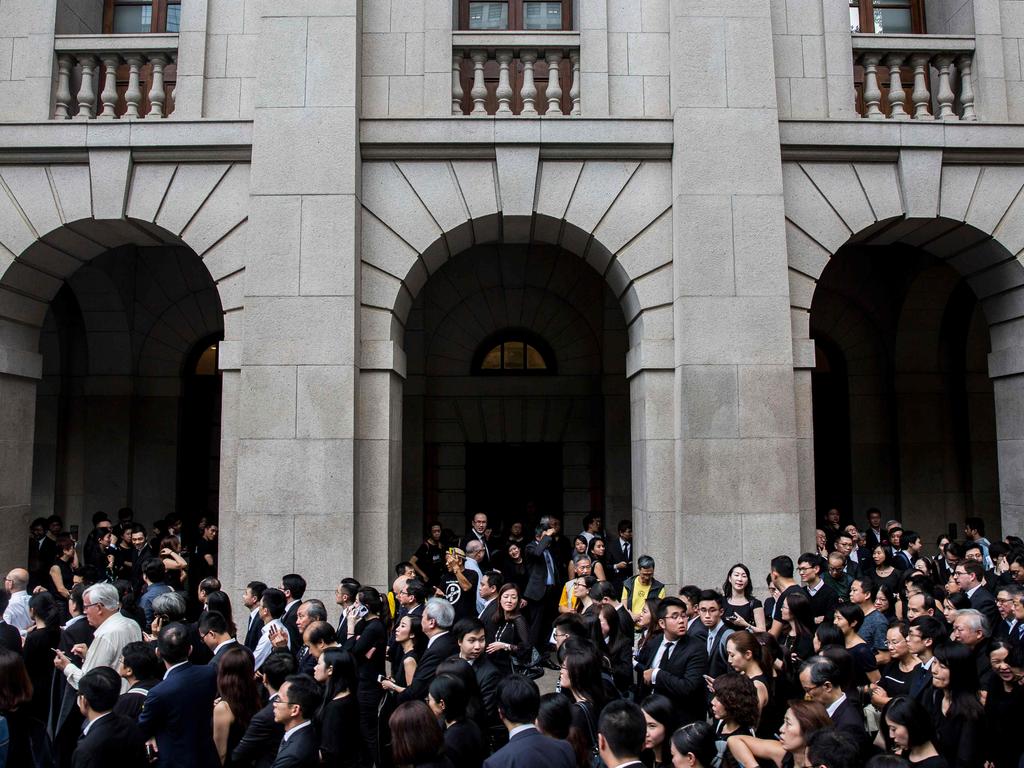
pixel 514 352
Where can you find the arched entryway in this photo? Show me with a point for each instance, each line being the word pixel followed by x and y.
pixel 516 401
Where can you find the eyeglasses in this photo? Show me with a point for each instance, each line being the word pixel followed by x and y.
pixel 813 688
pixel 87 606
pixel 283 701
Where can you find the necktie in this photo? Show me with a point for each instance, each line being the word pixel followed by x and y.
pixel 550 568
pixel 711 641
pixel 666 654
pixel 625 551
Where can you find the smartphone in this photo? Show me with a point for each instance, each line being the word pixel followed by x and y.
pixel 380 678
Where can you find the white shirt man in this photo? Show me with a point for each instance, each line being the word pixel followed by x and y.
pixel 474 554
pixel 16 613
pixel 100 605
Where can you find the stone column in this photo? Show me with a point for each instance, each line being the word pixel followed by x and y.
pixel 296 470
pixel 736 435
pixel 1006 367
pixel 19 375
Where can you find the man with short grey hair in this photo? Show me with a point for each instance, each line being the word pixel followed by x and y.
pixel 474 560
pixel 101 606
pixel 436 622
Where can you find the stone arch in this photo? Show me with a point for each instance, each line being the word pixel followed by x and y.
pixel 615 215
pixel 59 222
pixel 969 216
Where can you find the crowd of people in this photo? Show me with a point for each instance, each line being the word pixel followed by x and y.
pixel 868 650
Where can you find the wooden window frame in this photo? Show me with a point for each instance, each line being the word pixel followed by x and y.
pixel 515 16
pixel 520 335
pixel 158 24
pixel 867 17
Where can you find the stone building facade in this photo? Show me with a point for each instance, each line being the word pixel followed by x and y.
pixel 331 269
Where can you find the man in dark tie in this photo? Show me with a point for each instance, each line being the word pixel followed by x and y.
pixel 518 704
pixel 178 712
pixel 621 731
pixel 259 744
pixel 479 531
pixel 296 704
pixel 294 587
pixel 107 739
pixel 620 554
pixel 709 608
pixel 251 600
pixel 542 585
pixel 674 666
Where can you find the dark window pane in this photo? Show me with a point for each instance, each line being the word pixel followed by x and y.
pixel 547 15
pixel 492 361
pixel 132 19
pixel 514 357
pixel 488 15
pixel 534 361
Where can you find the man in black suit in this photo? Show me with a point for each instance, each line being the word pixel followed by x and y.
pixel 710 609
pixel 875 533
pixel 824 599
pixel 969 575
pixel 251 600
pixel 479 531
pixel 675 665
pixel 821 680
pixel 619 553
pixel 542 585
pixel 436 623
pixel 294 587
pixel 259 744
pixel 178 712
pixel 213 631
pixel 1006 629
pixel 107 739
pixel 621 731
pixel 142 552
pixel 472 639
pixel 296 704
pixel 518 703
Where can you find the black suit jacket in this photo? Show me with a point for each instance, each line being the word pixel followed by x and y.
pixel 849 718
pixel 215 660
pixel 983 601
pixel 179 713
pixel 10 637
pixel 112 740
pixel 487 677
pixel 537 569
pixel 613 555
pixel 718 663
pixel 302 750
pixel 290 621
pixel 529 749
pixel 258 746
pixel 443 647
pixel 681 676
pixel 252 634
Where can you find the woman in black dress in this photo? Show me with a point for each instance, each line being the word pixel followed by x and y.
pixel 617 648
pixel 597 549
pixel 848 619
pixel 662 720
pixel 338 717
pixel 580 678
pixel 735 709
pixel 40 641
pixel 1004 705
pixel 885 572
pixel 798 640
pixel 742 609
pixel 367 642
pixel 511 634
pixel 908 731
pixel 954 707
pixel 899 672
pixel 463 739
pixel 513 566
pixel 100 553
pixel 62 571
pixel 239 700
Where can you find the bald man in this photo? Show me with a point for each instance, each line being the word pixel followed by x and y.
pixel 17 610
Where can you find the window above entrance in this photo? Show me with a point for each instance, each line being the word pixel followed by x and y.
pixel 514 352
pixel 900 17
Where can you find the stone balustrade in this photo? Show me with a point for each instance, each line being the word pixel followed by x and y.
pixel 112 76
pixel 516 73
pixel 929 76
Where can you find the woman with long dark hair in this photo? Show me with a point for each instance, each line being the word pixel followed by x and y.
pixel 25 731
pixel 463 670
pixel 662 720
pixel 597 549
pixel 367 642
pixel 580 678
pixel 463 739
pixel 410 643
pixel 417 739
pixel 338 716
pixel 509 630
pixel 798 639
pixel 580 549
pixel 239 700
pixel 1004 705
pixel 907 731
pixel 749 654
pixel 616 647
pixel 954 707
pixel 742 609
pixel 693 746
pixel 42 638
pixel 218 600
pixel 62 571
pixel 130 608
pixel 513 566
pixel 100 551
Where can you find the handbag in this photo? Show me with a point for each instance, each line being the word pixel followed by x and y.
pixel 595 755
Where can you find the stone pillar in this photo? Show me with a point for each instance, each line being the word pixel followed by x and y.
pixel 19 375
pixel 26 48
pixel 1006 367
pixel 295 494
pixel 736 435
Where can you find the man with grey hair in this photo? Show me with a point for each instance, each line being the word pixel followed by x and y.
pixel 822 681
pixel 474 558
pixel 971 628
pixel 101 606
pixel 438 616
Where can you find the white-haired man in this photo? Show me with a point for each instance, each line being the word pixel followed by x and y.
pixel 101 605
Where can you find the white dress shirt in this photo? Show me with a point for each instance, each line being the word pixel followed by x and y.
pixel 17 612
pixel 110 639
pixel 264 647
pixel 299 727
pixel 831 708
pixel 89 724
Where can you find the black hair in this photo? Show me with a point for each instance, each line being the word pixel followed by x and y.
pixel 464 626
pixel 274 601
pixel 829 634
pixel 812 559
pixel 976 523
pixel 698 738
pixel 711 595
pixel 342 678
pixel 154 570
pixel 321 632
pixel 495 579
pixel 908 712
pixel 295 584
pixel 518 699
pixel 212 621
pixel 100 687
pixel 783 565
pixel 623 726
pixel 402 567
pixel 278 667
pixel 661 709
pixel 140 657
pixel 832 748
pixel 666 603
pixel 174 643
pixel 852 613
pixel 554 718
pixel 218 600
pixel 257 588
pixel 449 689
pixel 45 607
pixel 371 598
pixel 416 589
pixel 303 691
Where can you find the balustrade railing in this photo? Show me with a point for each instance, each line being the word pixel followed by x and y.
pixel 516 73
pixel 915 77
pixel 112 76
